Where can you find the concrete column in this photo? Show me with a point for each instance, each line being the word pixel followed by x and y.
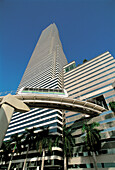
pixel 6 112
pixel 8 105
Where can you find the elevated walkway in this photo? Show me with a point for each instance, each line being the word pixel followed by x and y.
pixel 61 103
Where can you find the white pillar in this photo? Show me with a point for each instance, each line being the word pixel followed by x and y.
pixel 8 105
pixel 6 112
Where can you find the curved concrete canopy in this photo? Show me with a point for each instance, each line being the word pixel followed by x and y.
pixel 61 103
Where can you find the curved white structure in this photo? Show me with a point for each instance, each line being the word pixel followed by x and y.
pixel 56 102
pixel 9 104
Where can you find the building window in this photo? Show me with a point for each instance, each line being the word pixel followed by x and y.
pixel 70 67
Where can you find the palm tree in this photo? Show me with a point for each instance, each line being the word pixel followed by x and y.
pixel 68 144
pixel 6 150
pixel 44 140
pixel 15 143
pixel 92 139
pixel 29 141
pixel 85 60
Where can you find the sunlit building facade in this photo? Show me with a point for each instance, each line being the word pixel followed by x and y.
pixel 44 71
pixel 92 81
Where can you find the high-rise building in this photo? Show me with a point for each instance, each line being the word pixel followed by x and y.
pixel 44 71
pixel 92 81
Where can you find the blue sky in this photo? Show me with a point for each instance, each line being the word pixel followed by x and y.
pixel 86 29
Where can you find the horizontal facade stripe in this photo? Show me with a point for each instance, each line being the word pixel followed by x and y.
pixel 34 112
pixel 105 113
pixel 91 71
pixel 99 92
pixel 76 114
pixel 34 159
pixel 105 130
pixel 34 121
pixel 108 130
pixel 101 122
pixel 34 124
pixel 107 120
pixel 91 77
pixel 99 64
pixel 68 123
pixel 97 77
pixel 87 64
pixel 96 95
pixel 42 85
pixel 40 118
pixel 28 114
pixel 91 85
pixel 53 127
pixel 49 84
pixel 110 96
pixel 110 85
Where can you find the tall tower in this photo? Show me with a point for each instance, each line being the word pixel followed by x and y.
pixel 44 69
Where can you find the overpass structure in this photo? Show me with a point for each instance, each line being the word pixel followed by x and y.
pixel 61 103
pixel 23 103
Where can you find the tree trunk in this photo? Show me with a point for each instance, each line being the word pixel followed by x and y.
pixel 10 162
pixel 26 158
pixel 43 158
pixel 94 160
pixel 65 163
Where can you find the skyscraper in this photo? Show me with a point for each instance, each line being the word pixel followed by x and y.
pixel 44 71
pixel 92 81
